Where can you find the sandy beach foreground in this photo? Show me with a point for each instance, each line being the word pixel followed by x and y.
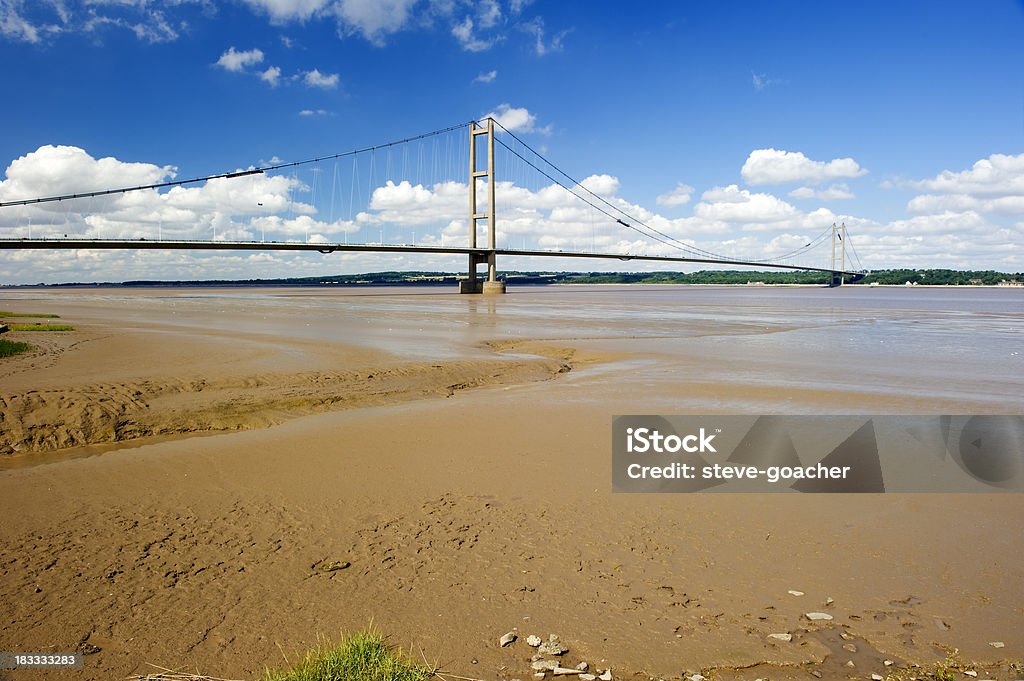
pixel 177 473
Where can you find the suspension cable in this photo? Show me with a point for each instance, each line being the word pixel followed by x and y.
pixel 241 173
pixel 806 247
pixel 676 243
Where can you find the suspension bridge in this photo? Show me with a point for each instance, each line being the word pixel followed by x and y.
pixel 403 187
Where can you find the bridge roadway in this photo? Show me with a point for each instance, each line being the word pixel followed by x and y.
pixel 482 253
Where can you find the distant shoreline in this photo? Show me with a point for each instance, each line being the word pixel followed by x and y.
pixel 900 277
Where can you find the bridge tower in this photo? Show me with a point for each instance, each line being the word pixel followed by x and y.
pixel 491 284
pixel 838 276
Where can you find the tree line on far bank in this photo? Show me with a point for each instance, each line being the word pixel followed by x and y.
pixel 932 277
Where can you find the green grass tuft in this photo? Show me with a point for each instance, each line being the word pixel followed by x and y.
pixel 38 326
pixel 365 656
pixel 4 313
pixel 8 347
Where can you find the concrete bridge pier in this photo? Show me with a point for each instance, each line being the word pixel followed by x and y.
pixel 490 285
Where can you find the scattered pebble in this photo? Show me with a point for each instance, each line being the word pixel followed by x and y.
pixel 877 677
pixel 508 639
pixel 849 647
pixel 818 616
pixel 849 663
pixel 829 601
pixel 538 675
pixel 333 566
pixel 887 663
pixel 696 677
pixel 553 647
pixel 815 673
pixel 545 665
pixel 997 644
pixel 972 674
pixel 843 635
pixel 606 676
pixel 533 641
pixel 796 593
pixel 782 637
pixel 588 677
pixel 583 666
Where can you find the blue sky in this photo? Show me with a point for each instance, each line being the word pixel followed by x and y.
pixel 743 128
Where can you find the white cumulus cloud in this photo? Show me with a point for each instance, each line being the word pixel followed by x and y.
pixel 602 185
pixel 679 196
pixel 272 76
pixel 732 204
pixel 235 60
pixel 56 170
pixel 516 119
pixel 281 11
pixel 327 81
pixel 373 19
pixel 997 175
pixel 775 166
pixel 463 32
pixel 993 185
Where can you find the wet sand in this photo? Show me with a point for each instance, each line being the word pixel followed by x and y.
pixel 456 451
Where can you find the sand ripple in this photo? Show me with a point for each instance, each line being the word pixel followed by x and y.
pixel 46 420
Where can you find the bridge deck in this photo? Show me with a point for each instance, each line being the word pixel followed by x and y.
pixel 146 244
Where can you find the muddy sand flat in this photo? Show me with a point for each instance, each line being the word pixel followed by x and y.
pixel 174 487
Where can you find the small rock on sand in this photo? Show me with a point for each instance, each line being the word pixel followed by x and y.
pixel 539 675
pixel 588 677
pixel 583 666
pixel 533 641
pixel 545 665
pixel 849 647
pixel 606 676
pixel 877 677
pixel 796 593
pixel 553 647
pixel 508 639
pixel 781 637
pixel 997 644
pixel 564 671
pixel 814 616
